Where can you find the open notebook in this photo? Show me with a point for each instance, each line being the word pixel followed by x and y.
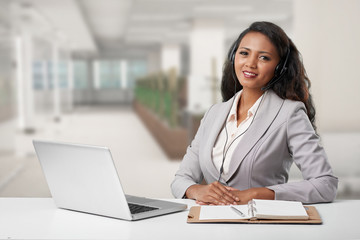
pixel 257 210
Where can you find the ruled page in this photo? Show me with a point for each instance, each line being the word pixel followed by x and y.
pixel 277 209
pixel 222 212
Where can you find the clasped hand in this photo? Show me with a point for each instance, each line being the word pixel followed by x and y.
pixel 217 194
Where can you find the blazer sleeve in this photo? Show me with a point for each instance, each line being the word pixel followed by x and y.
pixel 319 184
pixel 189 172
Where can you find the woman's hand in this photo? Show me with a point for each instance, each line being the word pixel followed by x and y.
pixel 246 195
pixel 212 194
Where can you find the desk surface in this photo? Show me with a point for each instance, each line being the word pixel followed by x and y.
pixel 38 218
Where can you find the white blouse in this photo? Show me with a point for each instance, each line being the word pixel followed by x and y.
pixel 234 135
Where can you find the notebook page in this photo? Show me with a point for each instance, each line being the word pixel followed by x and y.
pixel 222 212
pixel 276 209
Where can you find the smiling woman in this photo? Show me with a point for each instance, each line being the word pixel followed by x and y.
pixel 245 146
pixel 255 60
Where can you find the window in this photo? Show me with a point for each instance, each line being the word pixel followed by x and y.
pixel 136 69
pixel 63 75
pixel 38 77
pixel 80 75
pixel 109 74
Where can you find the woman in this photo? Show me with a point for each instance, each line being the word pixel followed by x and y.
pixel 245 146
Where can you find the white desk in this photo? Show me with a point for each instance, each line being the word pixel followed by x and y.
pixel 38 218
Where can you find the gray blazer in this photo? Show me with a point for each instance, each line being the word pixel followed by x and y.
pixel 279 135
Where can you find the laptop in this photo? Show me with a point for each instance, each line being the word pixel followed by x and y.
pixel 83 178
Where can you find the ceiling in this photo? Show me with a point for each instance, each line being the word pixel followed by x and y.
pixel 135 27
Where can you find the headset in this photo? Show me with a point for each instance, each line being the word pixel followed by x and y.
pixel 280 69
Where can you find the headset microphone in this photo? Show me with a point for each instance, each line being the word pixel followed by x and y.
pixel 272 82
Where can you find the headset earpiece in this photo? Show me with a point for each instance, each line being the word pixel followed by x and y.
pixel 281 67
pixel 280 70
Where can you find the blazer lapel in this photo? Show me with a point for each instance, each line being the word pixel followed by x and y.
pixel 267 112
pixel 219 121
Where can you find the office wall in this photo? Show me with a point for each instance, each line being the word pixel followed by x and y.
pixel 327 34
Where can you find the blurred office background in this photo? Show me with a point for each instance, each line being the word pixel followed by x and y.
pixel 137 75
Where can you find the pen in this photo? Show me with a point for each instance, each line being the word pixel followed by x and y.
pixel 237 211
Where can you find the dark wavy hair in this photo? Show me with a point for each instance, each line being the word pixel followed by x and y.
pixel 294 85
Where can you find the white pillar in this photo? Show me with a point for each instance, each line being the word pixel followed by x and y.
pixel 70 78
pixel 56 87
pixel 24 76
pixel 123 73
pixel 96 74
pixel 207 57
pixel 20 82
pixel 45 75
pixel 170 57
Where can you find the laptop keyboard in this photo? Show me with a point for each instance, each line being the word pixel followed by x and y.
pixel 135 208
